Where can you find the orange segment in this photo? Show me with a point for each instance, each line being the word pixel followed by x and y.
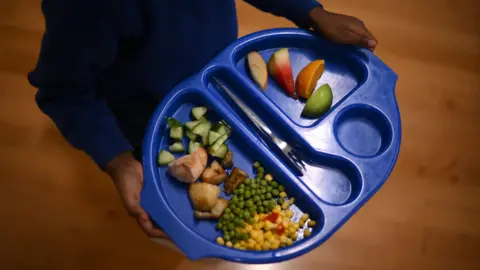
pixel 308 77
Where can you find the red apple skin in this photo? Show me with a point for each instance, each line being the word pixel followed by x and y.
pixel 281 70
pixel 258 69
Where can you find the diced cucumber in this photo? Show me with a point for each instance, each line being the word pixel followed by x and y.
pixel 202 128
pixel 190 135
pixel 191 125
pixel 176 147
pixel 176 133
pixel 221 151
pixel 173 123
pixel 165 157
pixel 203 119
pixel 212 137
pixel 222 130
pixel 205 138
pixel 219 142
pixel 198 112
pixel 222 127
pixel 193 146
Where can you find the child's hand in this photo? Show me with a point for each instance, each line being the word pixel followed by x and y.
pixel 342 29
pixel 127 174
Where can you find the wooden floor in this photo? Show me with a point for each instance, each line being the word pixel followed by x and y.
pixel 59 212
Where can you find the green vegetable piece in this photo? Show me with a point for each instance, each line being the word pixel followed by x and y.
pixel 176 147
pixel 190 135
pixel 202 128
pixel 199 112
pixel 173 123
pixel 165 157
pixel 191 125
pixel 176 133
pixel 213 137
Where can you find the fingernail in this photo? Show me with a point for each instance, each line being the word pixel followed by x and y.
pixel 371 43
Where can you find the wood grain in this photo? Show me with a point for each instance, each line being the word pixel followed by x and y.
pixel 59 212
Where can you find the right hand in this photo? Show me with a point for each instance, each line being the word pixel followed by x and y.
pixel 127 174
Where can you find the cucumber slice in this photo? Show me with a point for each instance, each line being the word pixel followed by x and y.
pixel 190 135
pixel 173 123
pixel 198 112
pixel 176 133
pixel 176 147
pixel 193 146
pixel 212 137
pixel 221 151
pixel 205 139
pixel 202 128
pixel 219 142
pixel 191 125
pixel 203 119
pixel 165 157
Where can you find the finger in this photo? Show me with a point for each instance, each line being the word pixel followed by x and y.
pixel 367 39
pixel 149 228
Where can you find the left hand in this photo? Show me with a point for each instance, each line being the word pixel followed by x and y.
pixel 342 29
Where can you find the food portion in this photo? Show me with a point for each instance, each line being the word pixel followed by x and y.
pixel 258 216
pixel 203 196
pixel 258 69
pixel 215 174
pixel 236 178
pixel 308 77
pixel 319 102
pixel 252 213
pixel 281 70
pixel 187 169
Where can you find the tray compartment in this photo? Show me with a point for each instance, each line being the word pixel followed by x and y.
pixel 245 152
pixel 342 72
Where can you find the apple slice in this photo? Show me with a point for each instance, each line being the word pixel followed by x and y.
pixel 258 69
pixel 319 102
pixel 281 70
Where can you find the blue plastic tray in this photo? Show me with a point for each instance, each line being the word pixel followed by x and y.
pixel 351 150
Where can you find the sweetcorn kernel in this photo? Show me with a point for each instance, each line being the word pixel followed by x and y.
pixel 266 245
pixel 256 218
pixel 248 228
pixel 306 233
pixel 275 245
pixel 285 205
pixel 291 201
pixel 289 242
pixel 296 226
pixel 229 244
pixel 258 247
pixel 220 241
pixel 243 243
pixel 251 246
pixel 293 237
pixel 268 177
pixel 268 234
pixel 279 220
pixel 311 223
pixel 283 194
pixel 305 217
pixel 301 223
pixel 277 209
pixel 283 239
pixel 259 240
pixel 288 213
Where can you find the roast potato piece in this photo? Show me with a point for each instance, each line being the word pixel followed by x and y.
pixel 188 168
pixel 203 196
pixel 236 178
pixel 215 213
pixel 227 161
pixel 214 175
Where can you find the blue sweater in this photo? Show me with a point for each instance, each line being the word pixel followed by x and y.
pixel 104 65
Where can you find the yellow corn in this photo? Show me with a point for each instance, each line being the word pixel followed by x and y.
pixel 301 223
pixel 267 234
pixel 288 213
pixel 289 242
pixel 277 209
pixel 256 218
pixel 248 228
pixel 258 247
pixel 251 246
pixel 253 233
pixel 259 240
pixel 262 216
pixel 266 245
pixel 306 233
pixel 268 177
pixel 228 244
pixel 296 226
pixel 259 226
pixel 279 220
pixel 286 224
pixel 285 205
pixel 293 237
pixel 291 200
pixel 304 217
pixel 283 239
pixel 220 241
pixel 311 223
pixel 237 246
pixel 275 245
pixel 269 226
pixel 283 194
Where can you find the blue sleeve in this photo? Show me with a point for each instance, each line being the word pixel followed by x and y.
pixel 79 42
pixel 294 10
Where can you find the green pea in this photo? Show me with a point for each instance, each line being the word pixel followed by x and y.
pixel 256 198
pixel 254 185
pixel 269 189
pixel 281 188
pixel 261 209
pixel 247 194
pixel 263 183
pixel 241 191
pixel 268 195
pixel 253 192
pixel 227 211
pixel 240 215
pixel 266 203
pixel 226 237
pixel 230 226
pixel 241 204
pixel 275 192
pixel 262 197
pixel 219 226
pixel 281 201
pixel 274 184
pixel 246 214
pixel 249 203
pixel 250 220
pixel 234 199
pixel 244 237
pixel 256 164
pixel 263 190
pixel 248 181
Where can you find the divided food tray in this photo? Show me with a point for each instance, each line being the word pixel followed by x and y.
pixel 350 151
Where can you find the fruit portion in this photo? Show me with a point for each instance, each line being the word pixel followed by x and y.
pixel 319 102
pixel 308 77
pixel 281 70
pixel 258 69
